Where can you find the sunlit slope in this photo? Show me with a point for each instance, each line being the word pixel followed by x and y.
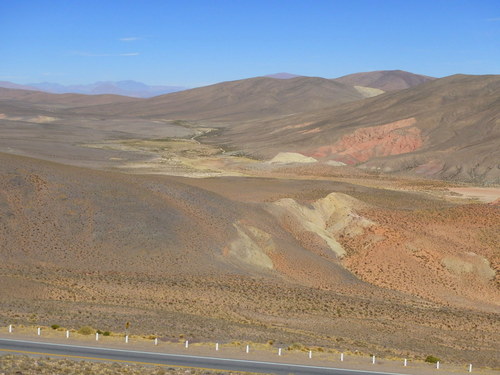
pixel 238 100
pixel 447 128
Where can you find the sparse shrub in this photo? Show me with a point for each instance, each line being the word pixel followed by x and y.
pixel 432 359
pixel 296 346
pixel 86 330
pixel 55 326
pixel 99 331
pixel 106 333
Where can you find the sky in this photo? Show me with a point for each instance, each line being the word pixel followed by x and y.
pixel 194 43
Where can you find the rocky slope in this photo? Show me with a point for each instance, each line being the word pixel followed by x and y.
pixel 447 128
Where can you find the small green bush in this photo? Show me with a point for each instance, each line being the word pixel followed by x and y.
pixel 86 330
pixel 432 359
pixel 106 333
pixel 55 326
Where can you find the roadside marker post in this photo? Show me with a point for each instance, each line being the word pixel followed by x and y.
pixel 97 336
pixel 10 328
pixel 217 346
pixel 126 339
pixel 470 367
pixel 39 331
pixel 156 340
pixel 373 359
pixel 248 349
pixel 186 344
pixel 405 362
pixel 279 351
pixel 67 334
pixel 310 354
pixel 341 357
pixel 437 365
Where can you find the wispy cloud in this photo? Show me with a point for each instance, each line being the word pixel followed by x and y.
pixel 91 54
pixel 495 19
pixel 130 39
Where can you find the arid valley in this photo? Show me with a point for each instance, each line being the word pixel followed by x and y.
pixel 360 214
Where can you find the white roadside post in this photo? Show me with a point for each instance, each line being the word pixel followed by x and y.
pixel 373 359
pixel 248 348
pixel 470 367
pixel 97 336
pixel 341 357
pixel 67 333
pixel 437 365
pixel 10 328
pixel 156 340
pixel 279 351
pixel 39 331
pixel 186 344
pixel 310 354
pixel 126 339
pixel 405 362
pixel 217 346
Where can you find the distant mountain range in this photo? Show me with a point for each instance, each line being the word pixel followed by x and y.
pixel 387 80
pixel 124 88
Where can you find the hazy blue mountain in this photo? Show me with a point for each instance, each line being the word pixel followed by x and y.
pixel 11 85
pixel 126 88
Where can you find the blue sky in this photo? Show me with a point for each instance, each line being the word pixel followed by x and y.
pixel 192 43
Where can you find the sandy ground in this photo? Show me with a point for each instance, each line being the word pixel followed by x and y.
pixel 486 195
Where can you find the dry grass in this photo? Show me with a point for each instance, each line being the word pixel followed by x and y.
pixel 23 365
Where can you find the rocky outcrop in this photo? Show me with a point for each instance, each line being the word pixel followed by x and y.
pixel 395 138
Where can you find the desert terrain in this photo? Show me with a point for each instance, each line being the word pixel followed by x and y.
pixel 285 211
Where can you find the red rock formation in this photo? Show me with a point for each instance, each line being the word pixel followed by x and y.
pixel 399 137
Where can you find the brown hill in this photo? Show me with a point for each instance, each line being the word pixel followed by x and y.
pixel 237 100
pixel 387 80
pixel 248 258
pixel 67 217
pixel 59 100
pixel 447 128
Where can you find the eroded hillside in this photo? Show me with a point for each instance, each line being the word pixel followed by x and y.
pixel 314 261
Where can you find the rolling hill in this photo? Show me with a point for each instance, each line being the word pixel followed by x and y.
pixel 18 96
pixel 246 99
pixel 286 260
pixel 447 128
pixel 386 80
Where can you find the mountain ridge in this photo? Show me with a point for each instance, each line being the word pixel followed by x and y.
pixel 386 80
pixel 239 100
pixel 454 125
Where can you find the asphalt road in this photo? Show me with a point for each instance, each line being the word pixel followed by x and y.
pixel 164 359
